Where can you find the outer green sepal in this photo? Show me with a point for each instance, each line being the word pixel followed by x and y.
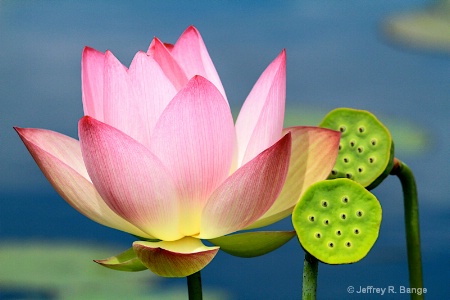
pixel 252 244
pixel 125 261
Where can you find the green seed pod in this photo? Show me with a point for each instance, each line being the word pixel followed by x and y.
pixel 366 150
pixel 337 221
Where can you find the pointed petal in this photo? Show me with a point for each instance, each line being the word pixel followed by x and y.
pixel 248 193
pixel 151 91
pixel 59 157
pixel 125 261
pixel 170 66
pixel 260 120
pixel 131 180
pixel 313 155
pixel 195 139
pixel 118 97
pixel 252 244
pixel 175 259
pixel 191 54
pixel 92 65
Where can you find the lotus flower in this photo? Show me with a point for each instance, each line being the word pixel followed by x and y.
pixel 160 157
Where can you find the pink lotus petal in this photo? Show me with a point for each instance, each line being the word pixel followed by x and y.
pixel 191 54
pixel 175 259
pixel 313 155
pixel 195 139
pixel 150 91
pixel 248 193
pixel 170 66
pixel 260 120
pixel 92 65
pixel 118 97
pixel 59 157
pixel 123 172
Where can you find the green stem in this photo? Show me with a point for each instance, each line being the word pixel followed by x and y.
pixel 404 173
pixel 310 270
pixel 194 282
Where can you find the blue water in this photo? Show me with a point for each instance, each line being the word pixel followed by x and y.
pixel 337 56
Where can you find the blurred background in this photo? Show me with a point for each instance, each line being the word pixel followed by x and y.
pixel 388 57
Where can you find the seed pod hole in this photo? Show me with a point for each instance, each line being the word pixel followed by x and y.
pixel 326 222
pixel 352 143
pixel 340 147
pixel 342 128
pixel 346 160
pixel 318 235
pixel 371 160
pixel 360 149
pixel 338 233
pixel 331 244
pixel 343 216
pixel 345 199
pixel 360 170
pixel 349 175
pixel 348 244
pixel 361 129
pixel 334 172
pixel 324 203
pixel 359 213
pixel 373 142
pixel 311 218
pixel 356 231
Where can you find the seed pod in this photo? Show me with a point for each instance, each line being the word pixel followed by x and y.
pixel 337 221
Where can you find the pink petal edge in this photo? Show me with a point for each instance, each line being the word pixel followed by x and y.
pixel 248 193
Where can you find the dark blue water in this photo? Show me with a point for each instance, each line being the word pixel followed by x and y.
pixel 337 56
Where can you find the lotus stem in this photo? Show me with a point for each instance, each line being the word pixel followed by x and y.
pixel 194 282
pixel 310 271
pixel 404 173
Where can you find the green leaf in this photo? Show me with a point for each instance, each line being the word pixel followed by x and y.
pixel 125 261
pixel 252 244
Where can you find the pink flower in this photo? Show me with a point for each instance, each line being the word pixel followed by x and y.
pixel 159 156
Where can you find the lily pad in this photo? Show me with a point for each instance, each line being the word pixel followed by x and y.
pixel 65 270
pixel 427 29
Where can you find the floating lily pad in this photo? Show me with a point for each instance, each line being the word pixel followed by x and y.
pixel 337 221
pixel 427 29
pixel 65 270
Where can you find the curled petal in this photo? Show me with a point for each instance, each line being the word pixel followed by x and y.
pixel 59 157
pixel 195 139
pixel 123 171
pixel 260 121
pixel 191 54
pixel 248 193
pixel 252 244
pixel 313 155
pixel 92 65
pixel 175 259
pixel 125 261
